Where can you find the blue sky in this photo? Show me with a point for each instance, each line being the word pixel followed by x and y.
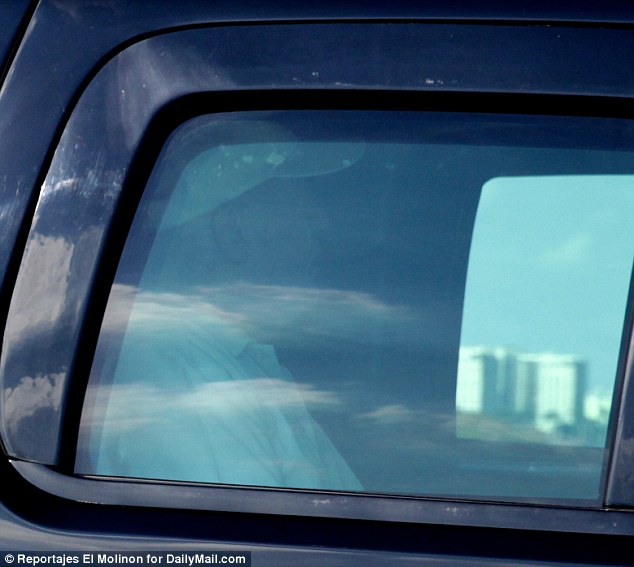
pixel 550 266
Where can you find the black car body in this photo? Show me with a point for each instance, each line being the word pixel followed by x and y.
pixel 92 92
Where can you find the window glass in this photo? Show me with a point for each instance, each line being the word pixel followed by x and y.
pixel 547 280
pixel 388 302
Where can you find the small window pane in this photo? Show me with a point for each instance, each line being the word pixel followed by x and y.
pixel 387 302
pixel 547 281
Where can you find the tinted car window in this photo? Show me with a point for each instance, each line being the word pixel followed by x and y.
pixel 390 302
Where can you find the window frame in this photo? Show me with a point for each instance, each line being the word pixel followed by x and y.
pixel 68 174
pixel 174 157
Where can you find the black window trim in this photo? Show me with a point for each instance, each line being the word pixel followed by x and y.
pixel 293 502
pixel 194 105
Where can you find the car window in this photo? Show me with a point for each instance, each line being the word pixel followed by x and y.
pixel 389 302
pixel 547 281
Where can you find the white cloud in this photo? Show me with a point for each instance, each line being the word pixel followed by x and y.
pixel 390 414
pixel 573 250
pixel 131 406
pixel 267 313
pixel 41 299
pixel 32 395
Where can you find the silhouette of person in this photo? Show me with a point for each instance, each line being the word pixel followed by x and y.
pixel 193 396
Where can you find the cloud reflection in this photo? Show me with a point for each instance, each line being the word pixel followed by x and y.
pixel 225 399
pixel 41 299
pixel 32 395
pixel 391 414
pixel 573 250
pixel 267 313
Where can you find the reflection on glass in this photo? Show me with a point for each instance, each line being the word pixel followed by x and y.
pixel 504 395
pixel 290 307
pixel 548 271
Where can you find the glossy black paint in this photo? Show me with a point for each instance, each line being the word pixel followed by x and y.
pixel 99 102
pixel 12 15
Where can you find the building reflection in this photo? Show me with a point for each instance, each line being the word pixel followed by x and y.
pixel 507 395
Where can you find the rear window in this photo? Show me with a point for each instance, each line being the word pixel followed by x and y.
pixel 388 302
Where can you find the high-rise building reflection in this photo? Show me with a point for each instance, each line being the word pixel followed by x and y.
pixel 506 394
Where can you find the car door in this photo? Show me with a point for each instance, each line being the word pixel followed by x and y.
pixel 324 291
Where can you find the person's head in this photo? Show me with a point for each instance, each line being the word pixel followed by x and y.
pixel 268 235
